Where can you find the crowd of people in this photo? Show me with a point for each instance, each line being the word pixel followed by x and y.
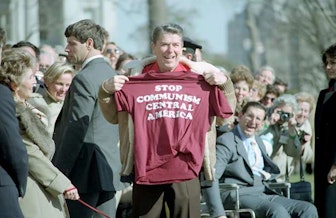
pixel 101 126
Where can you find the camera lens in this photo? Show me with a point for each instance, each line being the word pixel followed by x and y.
pixel 284 117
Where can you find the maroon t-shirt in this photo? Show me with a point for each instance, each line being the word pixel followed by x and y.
pixel 171 114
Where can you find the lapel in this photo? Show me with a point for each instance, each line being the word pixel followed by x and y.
pixel 330 91
pixel 241 147
pixel 269 165
pixel 320 103
pixel 327 95
pixel 261 147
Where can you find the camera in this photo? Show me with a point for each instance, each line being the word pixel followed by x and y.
pixel 302 134
pixel 284 116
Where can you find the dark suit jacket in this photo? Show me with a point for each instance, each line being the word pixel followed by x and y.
pixel 232 166
pixel 13 154
pixel 325 151
pixel 86 144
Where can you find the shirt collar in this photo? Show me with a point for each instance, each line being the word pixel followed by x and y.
pixel 180 67
pixel 90 59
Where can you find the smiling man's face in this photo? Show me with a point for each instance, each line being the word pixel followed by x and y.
pixel 252 120
pixel 168 49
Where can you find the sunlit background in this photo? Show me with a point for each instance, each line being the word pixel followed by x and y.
pixel 285 34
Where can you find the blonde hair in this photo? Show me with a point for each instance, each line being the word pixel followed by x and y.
pixel 260 87
pixel 15 63
pixel 242 73
pixel 305 97
pixel 56 70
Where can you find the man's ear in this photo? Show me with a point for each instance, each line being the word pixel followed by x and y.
pixel 89 43
pixel 152 47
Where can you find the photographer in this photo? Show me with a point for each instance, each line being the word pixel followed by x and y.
pixel 306 103
pixel 281 134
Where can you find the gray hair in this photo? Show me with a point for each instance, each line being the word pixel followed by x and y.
pixel 266 68
pixel 56 70
pixel 167 28
pixel 305 97
pixel 14 65
pixel 285 99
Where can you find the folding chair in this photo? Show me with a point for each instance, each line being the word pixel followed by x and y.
pixel 237 211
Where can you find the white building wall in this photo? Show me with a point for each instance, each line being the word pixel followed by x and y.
pixel 22 20
pixel 16 21
pixel 109 18
pixel 100 11
pixel 32 30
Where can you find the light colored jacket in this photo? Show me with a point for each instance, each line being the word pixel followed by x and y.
pixel 108 107
pixel 285 149
pixel 54 107
pixel 308 153
pixel 46 184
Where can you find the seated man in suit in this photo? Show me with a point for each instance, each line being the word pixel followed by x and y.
pixel 241 158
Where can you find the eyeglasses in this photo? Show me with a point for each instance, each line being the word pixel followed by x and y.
pixel 111 51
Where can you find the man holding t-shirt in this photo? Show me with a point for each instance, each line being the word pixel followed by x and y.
pixel 171 108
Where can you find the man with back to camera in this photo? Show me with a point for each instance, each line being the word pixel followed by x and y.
pixel 86 144
pixel 241 158
pixel 178 186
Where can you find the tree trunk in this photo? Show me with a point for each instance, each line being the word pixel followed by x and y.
pixel 157 14
pixel 254 35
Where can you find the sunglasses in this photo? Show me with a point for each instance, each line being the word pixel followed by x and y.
pixel 111 51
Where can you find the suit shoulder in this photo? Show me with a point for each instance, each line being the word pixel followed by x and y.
pixel 96 72
pixel 5 91
pixel 226 137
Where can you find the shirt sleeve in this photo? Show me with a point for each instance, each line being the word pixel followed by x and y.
pixel 122 100
pixel 219 103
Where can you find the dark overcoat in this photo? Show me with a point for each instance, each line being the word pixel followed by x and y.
pixel 325 153
pixel 13 157
pixel 86 144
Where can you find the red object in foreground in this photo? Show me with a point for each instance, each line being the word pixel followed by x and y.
pixel 94 209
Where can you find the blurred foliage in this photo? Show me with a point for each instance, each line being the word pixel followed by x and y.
pixel 287 35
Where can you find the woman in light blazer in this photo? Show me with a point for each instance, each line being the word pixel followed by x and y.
pixel 47 186
pixel 57 80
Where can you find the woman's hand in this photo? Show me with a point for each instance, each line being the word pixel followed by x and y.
pixel 71 193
